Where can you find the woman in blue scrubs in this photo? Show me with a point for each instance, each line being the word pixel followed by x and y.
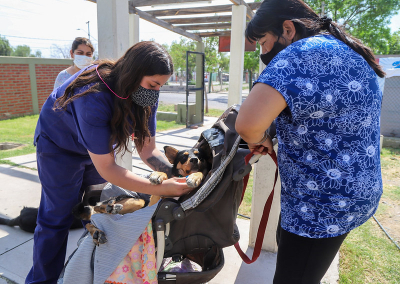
pixel 81 125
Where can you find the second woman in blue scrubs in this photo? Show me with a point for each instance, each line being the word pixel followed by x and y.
pixel 81 125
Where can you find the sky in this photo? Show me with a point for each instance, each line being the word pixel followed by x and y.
pixel 42 24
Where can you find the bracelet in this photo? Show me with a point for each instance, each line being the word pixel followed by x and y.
pixel 263 139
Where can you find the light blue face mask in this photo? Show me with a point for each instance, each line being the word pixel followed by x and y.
pixel 145 97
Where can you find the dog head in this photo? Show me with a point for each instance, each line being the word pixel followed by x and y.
pixel 189 161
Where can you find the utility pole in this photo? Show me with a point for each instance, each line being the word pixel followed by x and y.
pixel 88 29
pixel 323 8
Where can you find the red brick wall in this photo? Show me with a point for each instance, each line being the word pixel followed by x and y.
pixel 45 77
pixel 15 87
pixel 15 90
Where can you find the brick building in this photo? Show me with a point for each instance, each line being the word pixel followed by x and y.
pixel 26 82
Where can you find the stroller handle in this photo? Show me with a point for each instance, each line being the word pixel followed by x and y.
pixel 239 174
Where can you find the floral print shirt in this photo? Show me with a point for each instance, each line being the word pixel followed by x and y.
pixel 329 136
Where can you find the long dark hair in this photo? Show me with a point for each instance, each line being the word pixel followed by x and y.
pixel 123 76
pixel 272 13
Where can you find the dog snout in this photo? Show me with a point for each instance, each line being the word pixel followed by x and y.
pixel 194 161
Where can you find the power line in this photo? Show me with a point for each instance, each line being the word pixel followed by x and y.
pixel 39 38
pixel 30 2
pixel 19 9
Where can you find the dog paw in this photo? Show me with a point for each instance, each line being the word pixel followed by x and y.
pixel 194 180
pixel 157 177
pixel 113 208
pixel 99 237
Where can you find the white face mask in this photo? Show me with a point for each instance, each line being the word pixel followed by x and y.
pixel 82 61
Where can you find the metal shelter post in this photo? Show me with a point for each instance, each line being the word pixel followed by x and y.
pixel 199 89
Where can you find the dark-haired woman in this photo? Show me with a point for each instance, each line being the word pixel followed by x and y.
pixel 82 53
pixel 320 84
pixel 81 125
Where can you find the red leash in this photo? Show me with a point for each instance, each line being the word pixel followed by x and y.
pixel 264 219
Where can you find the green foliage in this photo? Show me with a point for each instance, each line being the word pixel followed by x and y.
pixel 177 50
pixel 211 53
pixel 5 47
pixel 214 61
pixel 367 20
pixel 223 62
pixel 38 54
pixel 394 43
pixel 251 59
pixel 22 51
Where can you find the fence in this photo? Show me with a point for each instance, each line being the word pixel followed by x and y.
pixel 25 83
pixel 390 116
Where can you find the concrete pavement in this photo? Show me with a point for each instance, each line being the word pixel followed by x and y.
pixel 20 187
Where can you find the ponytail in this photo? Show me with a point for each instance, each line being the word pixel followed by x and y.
pixel 354 43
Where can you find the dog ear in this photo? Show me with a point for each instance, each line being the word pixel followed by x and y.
pixel 170 153
pixel 206 151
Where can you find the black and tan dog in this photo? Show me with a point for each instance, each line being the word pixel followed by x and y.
pixel 194 164
pixel 27 220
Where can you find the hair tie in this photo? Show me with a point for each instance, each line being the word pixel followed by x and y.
pixel 326 22
pixel 108 86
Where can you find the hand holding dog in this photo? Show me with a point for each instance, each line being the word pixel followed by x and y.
pixel 173 187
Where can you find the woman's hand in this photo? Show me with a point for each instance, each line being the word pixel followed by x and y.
pixel 173 187
pixel 263 149
pixel 111 172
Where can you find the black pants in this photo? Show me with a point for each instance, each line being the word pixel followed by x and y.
pixel 302 260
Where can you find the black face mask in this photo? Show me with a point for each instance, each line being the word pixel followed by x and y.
pixel 267 57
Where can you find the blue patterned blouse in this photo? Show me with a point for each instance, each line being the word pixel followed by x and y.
pixel 329 136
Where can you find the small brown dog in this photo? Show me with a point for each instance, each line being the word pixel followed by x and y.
pixel 194 163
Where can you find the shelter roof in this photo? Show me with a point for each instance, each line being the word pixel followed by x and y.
pixel 201 19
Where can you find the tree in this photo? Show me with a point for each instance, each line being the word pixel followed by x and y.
pixel 177 50
pixel 251 59
pixel 5 47
pixel 38 53
pixel 367 20
pixel 59 51
pixel 394 43
pixel 22 51
pixel 223 62
pixel 211 54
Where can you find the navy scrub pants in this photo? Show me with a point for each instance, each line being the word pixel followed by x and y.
pixel 63 175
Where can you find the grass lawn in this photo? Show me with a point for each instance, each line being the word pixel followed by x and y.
pixel 22 129
pixel 171 108
pixel 18 130
pixel 368 255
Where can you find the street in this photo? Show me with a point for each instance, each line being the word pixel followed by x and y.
pixel 215 100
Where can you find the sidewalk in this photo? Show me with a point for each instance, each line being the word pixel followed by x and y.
pixel 21 187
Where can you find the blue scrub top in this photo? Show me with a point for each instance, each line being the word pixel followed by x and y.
pixel 85 124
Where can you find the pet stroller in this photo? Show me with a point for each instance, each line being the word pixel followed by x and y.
pixel 195 227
